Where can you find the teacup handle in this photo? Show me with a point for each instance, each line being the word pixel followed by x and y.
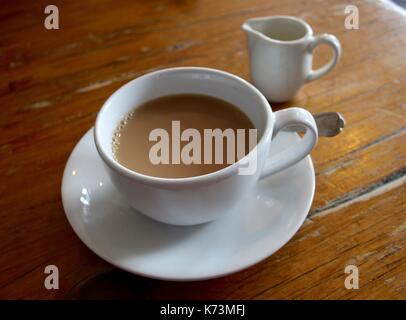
pixel 333 42
pixel 297 117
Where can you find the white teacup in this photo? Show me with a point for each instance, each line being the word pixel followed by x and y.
pixel 195 200
pixel 281 54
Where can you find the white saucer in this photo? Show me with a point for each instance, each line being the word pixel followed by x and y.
pixel 271 215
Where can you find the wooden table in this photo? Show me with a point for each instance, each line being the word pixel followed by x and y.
pixel 54 81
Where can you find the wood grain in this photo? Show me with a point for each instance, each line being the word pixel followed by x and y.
pixel 54 82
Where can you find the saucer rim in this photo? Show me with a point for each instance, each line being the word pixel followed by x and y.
pixel 228 271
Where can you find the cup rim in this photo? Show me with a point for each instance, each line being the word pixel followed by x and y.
pixel 205 178
pixel 309 31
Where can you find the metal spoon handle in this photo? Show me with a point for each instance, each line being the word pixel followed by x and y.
pixel 329 124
